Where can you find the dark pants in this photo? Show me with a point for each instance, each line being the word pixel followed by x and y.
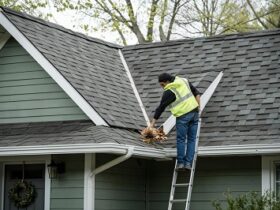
pixel 186 127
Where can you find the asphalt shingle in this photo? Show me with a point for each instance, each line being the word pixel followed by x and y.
pixel 92 66
pixel 67 132
pixel 246 97
pixel 243 110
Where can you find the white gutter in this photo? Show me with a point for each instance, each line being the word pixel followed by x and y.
pixel 171 121
pixel 134 88
pixel 113 162
pixel 253 149
pixel 112 148
pixel 52 71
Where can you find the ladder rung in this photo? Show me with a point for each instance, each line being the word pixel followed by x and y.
pixel 178 200
pixel 181 185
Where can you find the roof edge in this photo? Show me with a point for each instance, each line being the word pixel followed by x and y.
pixel 232 36
pixel 112 148
pixel 59 27
pixel 231 150
pixel 82 148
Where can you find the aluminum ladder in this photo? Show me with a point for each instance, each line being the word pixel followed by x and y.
pixel 188 185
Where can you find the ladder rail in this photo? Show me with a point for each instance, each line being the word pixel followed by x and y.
pixel 172 191
pixel 191 178
pixel 188 202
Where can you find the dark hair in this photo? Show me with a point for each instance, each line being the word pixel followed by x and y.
pixel 165 77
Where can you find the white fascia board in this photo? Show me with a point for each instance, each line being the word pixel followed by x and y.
pixel 110 148
pixel 171 121
pixel 137 95
pixel 231 150
pixel 52 71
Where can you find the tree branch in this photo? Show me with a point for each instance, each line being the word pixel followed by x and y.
pixel 256 15
pixel 244 22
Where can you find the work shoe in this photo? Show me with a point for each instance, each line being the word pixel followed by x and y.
pixel 179 167
pixel 188 166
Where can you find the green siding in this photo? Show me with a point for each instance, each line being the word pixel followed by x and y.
pixel 122 187
pixel 213 177
pixel 67 192
pixel 145 185
pixel 28 93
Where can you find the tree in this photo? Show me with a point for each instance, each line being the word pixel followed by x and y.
pixel 268 15
pixel 28 6
pixel 214 17
pixel 147 20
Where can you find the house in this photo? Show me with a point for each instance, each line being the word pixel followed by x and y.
pixel 78 102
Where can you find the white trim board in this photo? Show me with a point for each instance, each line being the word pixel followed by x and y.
pixel 89 182
pixel 134 88
pixel 52 71
pixel 171 121
pixel 268 173
pixel 45 159
pixel 113 148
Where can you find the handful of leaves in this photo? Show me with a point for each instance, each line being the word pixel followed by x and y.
pixel 150 135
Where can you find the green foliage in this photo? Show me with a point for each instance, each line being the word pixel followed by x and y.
pixel 248 201
pixel 273 11
pixel 28 6
pixel 237 19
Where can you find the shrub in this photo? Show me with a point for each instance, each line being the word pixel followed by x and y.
pixel 249 201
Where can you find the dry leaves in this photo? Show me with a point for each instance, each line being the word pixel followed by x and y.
pixel 151 135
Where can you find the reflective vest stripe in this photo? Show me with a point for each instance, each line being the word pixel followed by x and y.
pixel 185 100
pixel 181 99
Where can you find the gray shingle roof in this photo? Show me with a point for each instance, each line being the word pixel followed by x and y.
pixel 68 132
pixel 92 66
pixel 244 109
pixel 246 105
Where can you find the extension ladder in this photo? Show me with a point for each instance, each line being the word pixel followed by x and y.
pixel 188 185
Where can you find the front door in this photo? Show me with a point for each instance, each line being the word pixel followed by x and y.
pixel 34 173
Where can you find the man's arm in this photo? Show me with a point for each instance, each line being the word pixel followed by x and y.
pixel 167 98
pixel 196 93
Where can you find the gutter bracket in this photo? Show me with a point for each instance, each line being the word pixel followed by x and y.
pixel 114 162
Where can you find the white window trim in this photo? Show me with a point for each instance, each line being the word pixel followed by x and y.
pixel 46 159
pixel 52 71
pixel 268 173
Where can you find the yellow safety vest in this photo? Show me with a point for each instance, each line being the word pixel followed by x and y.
pixel 185 100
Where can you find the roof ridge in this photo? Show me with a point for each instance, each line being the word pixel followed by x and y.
pixel 232 36
pixel 58 27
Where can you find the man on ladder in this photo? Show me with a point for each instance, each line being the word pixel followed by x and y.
pixel 183 100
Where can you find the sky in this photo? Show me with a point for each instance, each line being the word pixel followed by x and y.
pixel 69 19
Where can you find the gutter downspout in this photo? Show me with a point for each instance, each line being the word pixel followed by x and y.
pixel 114 162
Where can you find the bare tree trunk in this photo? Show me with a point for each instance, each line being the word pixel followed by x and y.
pixel 135 28
pixel 162 18
pixel 150 27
